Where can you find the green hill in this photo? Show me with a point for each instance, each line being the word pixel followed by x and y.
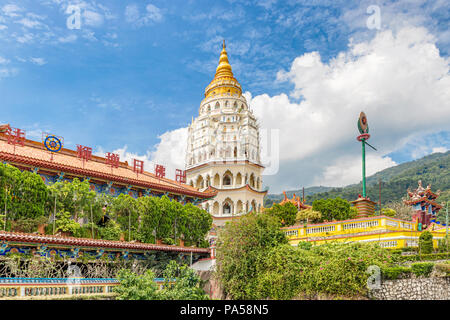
pixel 433 169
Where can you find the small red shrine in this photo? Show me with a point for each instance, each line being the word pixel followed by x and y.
pixel 423 202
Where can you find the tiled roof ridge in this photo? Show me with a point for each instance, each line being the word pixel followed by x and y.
pixel 52 239
pixel 108 176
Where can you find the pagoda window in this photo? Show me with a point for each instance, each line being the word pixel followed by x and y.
pixel 227 180
pixel 217 106
pixel 226 208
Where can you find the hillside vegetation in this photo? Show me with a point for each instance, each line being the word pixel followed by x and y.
pixel 433 169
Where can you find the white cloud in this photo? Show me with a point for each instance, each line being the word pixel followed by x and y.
pixel 348 170
pixel 4 61
pixel 169 152
pixel 11 10
pixel 38 61
pixel 92 18
pixel 439 149
pixel 394 78
pixel 151 15
pixel 69 38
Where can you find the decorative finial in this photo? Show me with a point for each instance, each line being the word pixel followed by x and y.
pixel 223 45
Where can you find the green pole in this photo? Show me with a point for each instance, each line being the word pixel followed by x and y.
pixel 363 141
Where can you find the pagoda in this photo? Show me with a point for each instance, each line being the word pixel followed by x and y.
pixel 223 149
pixel 423 202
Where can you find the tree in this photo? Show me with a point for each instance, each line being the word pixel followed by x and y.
pixel 286 212
pixel 23 195
pixel 388 212
pixel 426 242
pixel 181 283
pixel 135 287
pixel 333 209
pixel 241 246
pixel 308 215
pixel 125 211
pixel 402 211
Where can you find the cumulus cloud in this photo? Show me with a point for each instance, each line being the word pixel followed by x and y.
pixel 169 152
pixel 396 78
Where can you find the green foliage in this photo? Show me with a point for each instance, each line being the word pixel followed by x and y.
pixel 433 169
pixel 134 287
pixel 65 223
pixel 286 213
pixel 23 193
pixel 305 245
pixel 308 215
pixel 28 225
pixel 422 268
pixel 242 245
pixel 443 267
pixel 336 268
pixel 111 231
pixel 181 283
pixel 388 212
pixel 424 257
pixel 187 285
pixel 444 244
pixel 395 272
pixel 426 242
pixel 333 209
pixel 74 197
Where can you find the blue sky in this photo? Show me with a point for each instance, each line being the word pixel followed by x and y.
pixel 136 70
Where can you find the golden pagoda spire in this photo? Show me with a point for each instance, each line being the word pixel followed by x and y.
pixel 224 80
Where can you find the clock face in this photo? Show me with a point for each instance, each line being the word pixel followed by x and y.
pixel 363 126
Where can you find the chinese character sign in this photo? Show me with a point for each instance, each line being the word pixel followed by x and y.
pixel 84 152
pixel 16 136
pixel 180 176
pixel 160 171
pixel 112 159
pixel 138 166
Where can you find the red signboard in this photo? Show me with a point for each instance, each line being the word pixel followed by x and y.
pixel 16 136
pixel 180 176
pixel 138 166
pixel 112 159
pixel 160 171
pixel 84 152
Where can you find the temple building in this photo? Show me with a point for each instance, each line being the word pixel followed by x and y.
pixel 388 232
pixel 105 174
pixel 423 202
pixel 223 151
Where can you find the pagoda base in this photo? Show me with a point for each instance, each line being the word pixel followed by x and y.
pixel 364 206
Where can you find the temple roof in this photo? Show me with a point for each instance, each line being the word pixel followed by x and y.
pixel 34 154
pixel 95 243
pixel 295 201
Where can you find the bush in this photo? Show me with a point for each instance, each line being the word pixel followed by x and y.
pixel 422 268
pixel 111 231
pixel 182 283
pixel 425 257
pixel 65 223
pixel 444 244
pixel 444 267
pixel 242 245
pixel 396 272
pixel 28 225
pixel 426 242
pixel 305 245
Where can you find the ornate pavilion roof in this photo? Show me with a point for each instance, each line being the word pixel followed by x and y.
pixel 422 194
pixel 34 154
pixel 295 201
